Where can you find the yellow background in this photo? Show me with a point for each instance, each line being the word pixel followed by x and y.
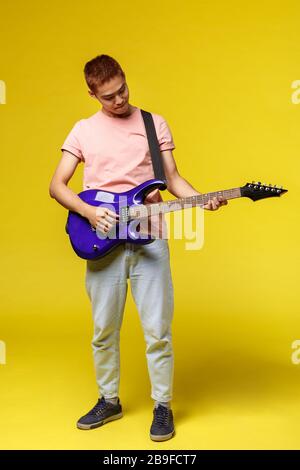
pixel 221 74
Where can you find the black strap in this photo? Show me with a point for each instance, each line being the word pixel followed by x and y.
pixel 154 146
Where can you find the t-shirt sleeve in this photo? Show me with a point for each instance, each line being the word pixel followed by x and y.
pixel 164 136
pixel 72 142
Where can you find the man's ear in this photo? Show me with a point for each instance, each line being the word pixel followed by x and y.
pixel 91 94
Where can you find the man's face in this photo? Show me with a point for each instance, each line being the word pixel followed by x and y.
pixel 113 96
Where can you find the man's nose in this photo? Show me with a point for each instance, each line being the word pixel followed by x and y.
pixel 118 99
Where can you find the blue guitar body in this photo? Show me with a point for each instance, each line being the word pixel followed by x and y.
pixel 91 244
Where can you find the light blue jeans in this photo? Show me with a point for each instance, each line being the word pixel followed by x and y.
pixel 148 268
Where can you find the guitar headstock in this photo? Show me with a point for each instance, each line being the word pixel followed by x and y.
pixel 258 190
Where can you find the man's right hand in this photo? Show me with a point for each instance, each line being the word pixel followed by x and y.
pixel 101 218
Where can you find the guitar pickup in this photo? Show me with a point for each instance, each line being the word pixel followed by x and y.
pixel 124 214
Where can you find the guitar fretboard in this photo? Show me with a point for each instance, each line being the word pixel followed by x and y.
pixel 148 210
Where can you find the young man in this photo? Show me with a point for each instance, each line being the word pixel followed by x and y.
pixel 113 145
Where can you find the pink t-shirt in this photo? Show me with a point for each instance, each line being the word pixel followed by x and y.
pixel 115 152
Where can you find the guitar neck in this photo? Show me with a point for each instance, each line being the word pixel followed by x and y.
pixel 137 212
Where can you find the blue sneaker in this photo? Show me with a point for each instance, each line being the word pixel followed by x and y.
pixel 102 413
pixel 162 427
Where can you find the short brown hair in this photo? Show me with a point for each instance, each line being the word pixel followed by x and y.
pixel 100 70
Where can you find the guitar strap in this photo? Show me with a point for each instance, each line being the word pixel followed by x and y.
pixel 154 146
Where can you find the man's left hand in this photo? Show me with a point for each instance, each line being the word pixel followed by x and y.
pixel 215 203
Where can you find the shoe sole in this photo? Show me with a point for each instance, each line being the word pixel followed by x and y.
pixel 165 437
pixel 100 423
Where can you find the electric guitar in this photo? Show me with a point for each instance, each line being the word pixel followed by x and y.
pixel 89 243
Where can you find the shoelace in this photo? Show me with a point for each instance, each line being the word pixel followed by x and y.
pixel 161 415
pixel 99 407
